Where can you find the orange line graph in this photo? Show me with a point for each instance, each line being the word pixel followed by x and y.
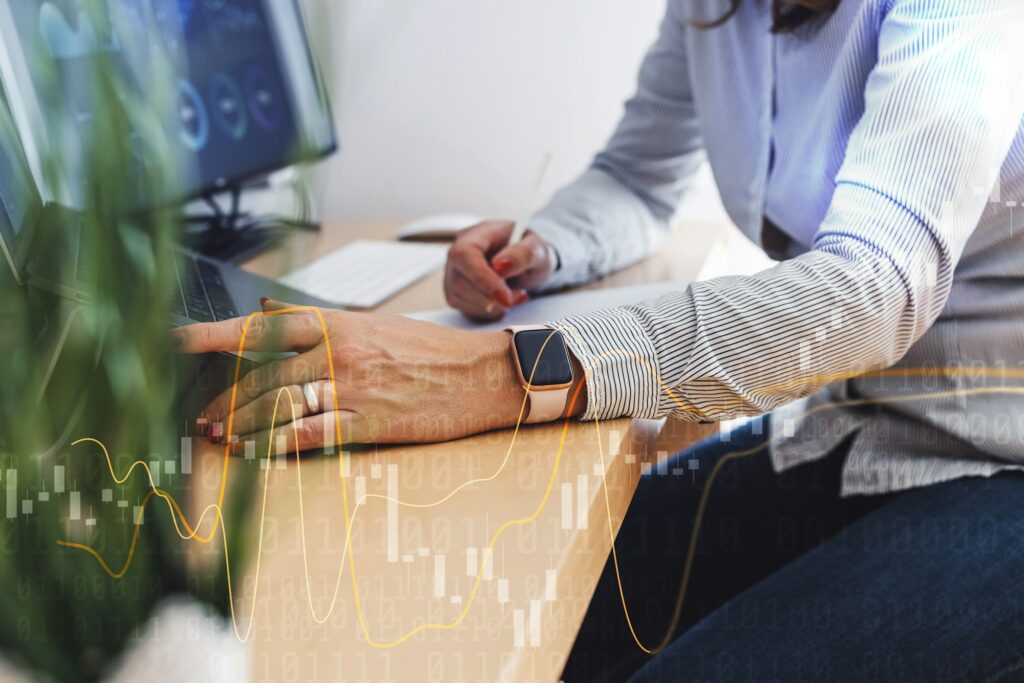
pixel 188 531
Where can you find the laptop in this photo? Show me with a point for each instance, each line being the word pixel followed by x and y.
pixel 207 290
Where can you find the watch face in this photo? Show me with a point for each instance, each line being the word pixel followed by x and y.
pixel 553 367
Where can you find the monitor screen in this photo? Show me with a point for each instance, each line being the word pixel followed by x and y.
pixel 17 190
pixel 242 96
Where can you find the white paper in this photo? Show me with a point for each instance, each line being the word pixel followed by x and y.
pixel 544 309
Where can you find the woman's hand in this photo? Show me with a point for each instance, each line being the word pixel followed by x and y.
pixel 396 379
pixel 485 275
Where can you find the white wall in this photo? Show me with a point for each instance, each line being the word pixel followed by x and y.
pixel 450 105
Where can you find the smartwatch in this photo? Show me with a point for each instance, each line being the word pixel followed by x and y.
pixel 545 371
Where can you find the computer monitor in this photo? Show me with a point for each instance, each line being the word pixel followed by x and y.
pixel 19 203
pixel 244 96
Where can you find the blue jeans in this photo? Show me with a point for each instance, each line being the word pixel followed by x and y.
pixel 793 583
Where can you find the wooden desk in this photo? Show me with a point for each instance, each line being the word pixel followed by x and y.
pixel 512 612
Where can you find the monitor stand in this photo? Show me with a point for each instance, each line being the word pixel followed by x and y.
pixel 233 236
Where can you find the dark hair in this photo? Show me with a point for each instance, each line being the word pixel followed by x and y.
pixel 787 15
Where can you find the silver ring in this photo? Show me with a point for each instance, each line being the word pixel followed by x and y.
pixel 312 400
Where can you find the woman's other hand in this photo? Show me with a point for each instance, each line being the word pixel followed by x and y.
pixel 485 275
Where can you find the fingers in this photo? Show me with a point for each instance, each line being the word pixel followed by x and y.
pixel 469 256
pixel 525 264
pixel 291 371
pixel 269 305
pixel 514 259
pixel 489 236
pixel 472 282
pixel 464 296
pixel 472 264
pixel 257 332
pixel 280 406
pixel 274 408
pixel 305 434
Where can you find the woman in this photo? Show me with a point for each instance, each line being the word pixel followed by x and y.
pixel 877 148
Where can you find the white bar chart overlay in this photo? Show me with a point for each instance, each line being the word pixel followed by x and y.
pixel 566 506
pixel 12 493
pixel 392 513
pixel 186 455
pixel 582 500
pixel 535 623
pixel 438 576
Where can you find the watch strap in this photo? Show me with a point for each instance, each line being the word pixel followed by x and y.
pixel 546 406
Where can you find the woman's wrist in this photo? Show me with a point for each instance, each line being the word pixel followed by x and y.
pixel 504 394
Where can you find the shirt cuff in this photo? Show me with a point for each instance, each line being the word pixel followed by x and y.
pixel 619 363
pixel 567 248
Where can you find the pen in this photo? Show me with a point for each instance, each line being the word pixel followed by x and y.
pixel 520 227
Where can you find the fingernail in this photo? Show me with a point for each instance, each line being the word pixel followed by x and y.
pixel 501 265
pixel 522 297
pixel 264 300
pixel 502 297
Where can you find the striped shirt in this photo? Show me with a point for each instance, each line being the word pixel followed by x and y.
pixel 886 144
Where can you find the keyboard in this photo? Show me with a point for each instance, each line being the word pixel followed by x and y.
pixel 366 272
pixel 203 295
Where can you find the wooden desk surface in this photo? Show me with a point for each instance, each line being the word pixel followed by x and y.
pixel 496 541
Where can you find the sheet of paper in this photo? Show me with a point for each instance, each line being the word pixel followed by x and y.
pixel 543 309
